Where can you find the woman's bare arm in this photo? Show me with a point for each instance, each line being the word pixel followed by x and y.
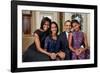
pixel 70 42
pixel 38 47
pixel 85 41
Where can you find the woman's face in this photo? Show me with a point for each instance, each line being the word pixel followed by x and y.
pixel 76 26
pixel 46 26
pixel 53 28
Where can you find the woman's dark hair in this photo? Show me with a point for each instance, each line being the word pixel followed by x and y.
pixel 44 20
pixel 75 21
pixel 56 27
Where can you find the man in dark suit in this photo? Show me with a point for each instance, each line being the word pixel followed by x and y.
pixel 63 40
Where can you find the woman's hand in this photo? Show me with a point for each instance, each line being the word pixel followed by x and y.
pixel 77 52
pixel 52 55
pixel 61 55
pixel 81 50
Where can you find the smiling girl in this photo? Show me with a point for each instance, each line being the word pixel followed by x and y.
pixel 78 41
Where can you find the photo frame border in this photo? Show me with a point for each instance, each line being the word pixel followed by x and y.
pixel 14 22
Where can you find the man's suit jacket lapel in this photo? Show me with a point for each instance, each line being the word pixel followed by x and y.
pixel 65 36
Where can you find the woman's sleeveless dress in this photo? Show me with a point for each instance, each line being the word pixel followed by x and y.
pixel 32 54
pixel 78 41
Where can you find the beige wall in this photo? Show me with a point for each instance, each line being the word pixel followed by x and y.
pixel 26 42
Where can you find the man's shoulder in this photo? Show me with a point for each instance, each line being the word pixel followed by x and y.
pixel 62 33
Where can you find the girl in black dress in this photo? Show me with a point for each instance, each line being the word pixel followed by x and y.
pixel 36 51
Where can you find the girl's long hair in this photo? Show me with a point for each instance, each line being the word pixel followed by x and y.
pixel 56 27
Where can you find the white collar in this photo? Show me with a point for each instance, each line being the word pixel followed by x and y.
pixel 66 34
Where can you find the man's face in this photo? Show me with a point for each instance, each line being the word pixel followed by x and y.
pixel 67 26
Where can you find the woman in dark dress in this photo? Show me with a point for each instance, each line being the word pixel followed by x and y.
pixel 52 44
pixel 36 51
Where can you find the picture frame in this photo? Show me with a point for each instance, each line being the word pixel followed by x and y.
pixel 16 9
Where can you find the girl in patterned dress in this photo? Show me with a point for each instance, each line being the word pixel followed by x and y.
pixel 78 42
